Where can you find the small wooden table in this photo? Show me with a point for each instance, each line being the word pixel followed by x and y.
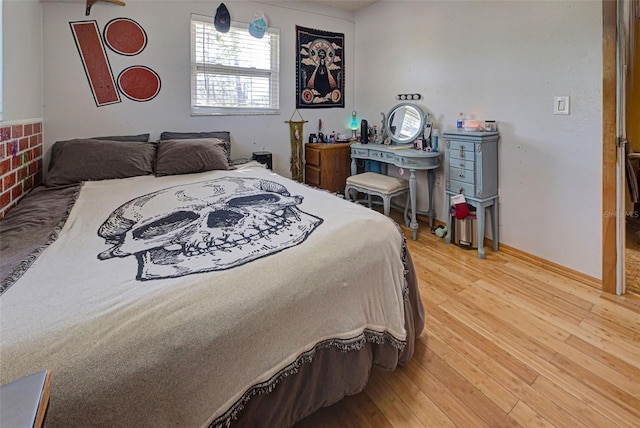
pixel 24 402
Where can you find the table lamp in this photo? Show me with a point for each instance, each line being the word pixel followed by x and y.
pixel 354 125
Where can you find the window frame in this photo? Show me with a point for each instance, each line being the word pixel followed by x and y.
pixel 273 74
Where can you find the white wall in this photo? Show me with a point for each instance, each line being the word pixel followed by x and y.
pixel 22 60
pixel 70 111
pixel 494 60
pixel 504 61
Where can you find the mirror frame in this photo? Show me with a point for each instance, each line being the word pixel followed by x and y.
pixel 412 138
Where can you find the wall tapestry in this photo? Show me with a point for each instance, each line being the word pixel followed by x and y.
pixel 125 37
pixel 297 151
pixel 319 68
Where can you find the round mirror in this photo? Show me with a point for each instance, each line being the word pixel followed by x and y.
pixel 404 123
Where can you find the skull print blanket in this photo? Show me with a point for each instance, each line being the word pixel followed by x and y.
pixel 173 300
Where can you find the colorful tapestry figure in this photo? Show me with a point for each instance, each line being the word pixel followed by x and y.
pixel 319 68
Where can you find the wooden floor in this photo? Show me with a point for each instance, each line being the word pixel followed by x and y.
pixel 506 343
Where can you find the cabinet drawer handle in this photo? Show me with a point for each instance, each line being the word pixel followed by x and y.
pixel 461 152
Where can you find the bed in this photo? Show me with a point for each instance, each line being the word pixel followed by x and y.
pixel 164 287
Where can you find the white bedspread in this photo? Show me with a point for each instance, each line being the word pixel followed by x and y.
pixel 136 336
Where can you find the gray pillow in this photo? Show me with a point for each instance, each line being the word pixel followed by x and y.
pixel 189 156
pixel 143 138
pixel 222 135
pixel 74 161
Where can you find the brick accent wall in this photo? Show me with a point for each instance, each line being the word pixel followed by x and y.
pixel 20 162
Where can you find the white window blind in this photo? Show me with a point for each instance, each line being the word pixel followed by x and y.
pixel 233 72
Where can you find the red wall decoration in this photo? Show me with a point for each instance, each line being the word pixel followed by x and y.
pixel 125 37
pixel 139 83
pixel 95 62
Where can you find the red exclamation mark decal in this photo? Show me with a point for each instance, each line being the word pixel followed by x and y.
pixel 95 62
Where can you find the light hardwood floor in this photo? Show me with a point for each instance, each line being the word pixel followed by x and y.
pixel 506 343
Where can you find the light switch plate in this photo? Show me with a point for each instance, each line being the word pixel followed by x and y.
pixel 561 105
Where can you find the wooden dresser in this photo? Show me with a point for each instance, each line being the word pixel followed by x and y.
pixel 327 165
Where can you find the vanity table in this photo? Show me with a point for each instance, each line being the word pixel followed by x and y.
pixel 406 158
pixel 403 125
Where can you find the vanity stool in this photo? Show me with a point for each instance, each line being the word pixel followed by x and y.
pixel 384 186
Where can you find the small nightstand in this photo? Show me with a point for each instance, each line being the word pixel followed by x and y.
pixel 327 165
pixel 265 158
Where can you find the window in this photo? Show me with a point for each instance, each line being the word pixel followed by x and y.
pixel 233 72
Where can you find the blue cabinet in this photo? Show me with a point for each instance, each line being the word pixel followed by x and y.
pixel 471 168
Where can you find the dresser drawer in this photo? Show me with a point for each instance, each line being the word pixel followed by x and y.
pixel 387 156
pixel 359 152
pixel 463 175
pixel 462 150
pixel 468 189
pixel 383 156
pixel 312 175
pixel 462 163
pixel 312 156
pixel 373 154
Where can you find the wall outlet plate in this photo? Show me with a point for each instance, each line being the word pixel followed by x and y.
pixel 561 105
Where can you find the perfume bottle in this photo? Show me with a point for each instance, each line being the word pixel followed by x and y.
pixel 434 140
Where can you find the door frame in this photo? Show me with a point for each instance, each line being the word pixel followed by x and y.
pixel 618 51
pixel 609 146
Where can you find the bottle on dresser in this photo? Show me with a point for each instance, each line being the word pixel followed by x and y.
pixel 434 139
